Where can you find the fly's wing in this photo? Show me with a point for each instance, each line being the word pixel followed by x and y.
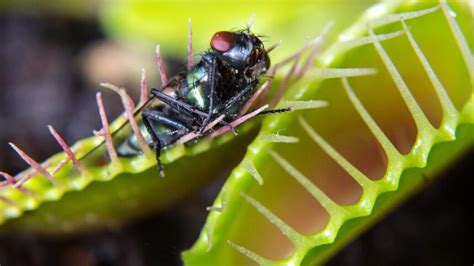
pixel 120 134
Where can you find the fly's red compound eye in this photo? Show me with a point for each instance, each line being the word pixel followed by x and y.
pixel 222 41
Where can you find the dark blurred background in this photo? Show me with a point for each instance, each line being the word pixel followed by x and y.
pixel 45 78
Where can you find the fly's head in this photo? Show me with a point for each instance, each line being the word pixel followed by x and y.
pixel 242 51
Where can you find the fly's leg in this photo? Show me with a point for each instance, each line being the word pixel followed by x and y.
pixel 156 142
pixel 234 99
pixel 156 145
pixel 148 116
pixel 176 104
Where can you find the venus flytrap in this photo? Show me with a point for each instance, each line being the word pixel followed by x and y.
pixel 262 223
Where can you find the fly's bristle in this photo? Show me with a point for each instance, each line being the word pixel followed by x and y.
pixel 251 21
pixel 271 48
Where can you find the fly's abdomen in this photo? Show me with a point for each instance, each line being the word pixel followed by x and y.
pixel 130 147
pixel 167 135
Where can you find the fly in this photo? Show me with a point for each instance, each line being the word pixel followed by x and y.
pixel 219 85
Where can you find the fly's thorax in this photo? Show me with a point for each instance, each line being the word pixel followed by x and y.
pixel 196 89
pixel 234 80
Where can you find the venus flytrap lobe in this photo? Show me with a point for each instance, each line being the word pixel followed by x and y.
pixel 264 157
